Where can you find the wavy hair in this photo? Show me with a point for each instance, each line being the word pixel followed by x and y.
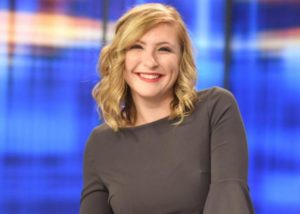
pixel 112 93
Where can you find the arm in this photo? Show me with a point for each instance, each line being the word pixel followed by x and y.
pixel 228 192
pixel 95 203
pixel 94 196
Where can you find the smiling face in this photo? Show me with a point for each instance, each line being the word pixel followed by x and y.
pixel 152 64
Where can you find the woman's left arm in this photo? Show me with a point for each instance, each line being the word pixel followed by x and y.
pixel 229 192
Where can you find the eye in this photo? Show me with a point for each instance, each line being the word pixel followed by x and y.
pixel 136 46
pixel 166 49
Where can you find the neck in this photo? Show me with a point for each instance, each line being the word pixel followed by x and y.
pixel 151 110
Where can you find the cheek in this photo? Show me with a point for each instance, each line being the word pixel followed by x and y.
pixel 175 76
pixel 131 61
pixel 126 63
pixel 174 67
pixel 126 76
pixel 175 72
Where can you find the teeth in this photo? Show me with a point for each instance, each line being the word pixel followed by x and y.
pixel 150 76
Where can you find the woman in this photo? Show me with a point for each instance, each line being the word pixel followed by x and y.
pixel 164 148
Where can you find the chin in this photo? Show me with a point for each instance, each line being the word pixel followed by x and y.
pixel 149 95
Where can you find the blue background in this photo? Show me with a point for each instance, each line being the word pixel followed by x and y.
pixel 48 56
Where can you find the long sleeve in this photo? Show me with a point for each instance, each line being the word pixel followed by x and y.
pixel 228 193
pixel 94 196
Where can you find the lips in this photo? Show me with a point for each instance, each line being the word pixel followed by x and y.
pixel 149 77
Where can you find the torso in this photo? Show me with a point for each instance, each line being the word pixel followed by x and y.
pixel 157 167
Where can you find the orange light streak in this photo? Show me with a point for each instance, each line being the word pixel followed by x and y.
pixel 54 30
pixel 279 39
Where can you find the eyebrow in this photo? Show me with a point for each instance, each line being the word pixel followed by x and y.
pixel 159 43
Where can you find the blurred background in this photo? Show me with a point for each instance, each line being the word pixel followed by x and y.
pixel 48 57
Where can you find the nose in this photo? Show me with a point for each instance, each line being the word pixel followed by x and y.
pixel 150 59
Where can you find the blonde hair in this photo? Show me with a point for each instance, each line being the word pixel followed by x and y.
pixel 112 93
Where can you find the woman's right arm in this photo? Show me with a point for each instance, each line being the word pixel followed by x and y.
pixel 95 203
pixel 94 196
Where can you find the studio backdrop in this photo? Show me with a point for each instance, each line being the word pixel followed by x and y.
pixel 48 57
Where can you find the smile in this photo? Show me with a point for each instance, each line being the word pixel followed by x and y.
pixel 149 77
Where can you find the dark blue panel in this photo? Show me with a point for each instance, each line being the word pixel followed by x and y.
pixel 264 79
pixel 47 112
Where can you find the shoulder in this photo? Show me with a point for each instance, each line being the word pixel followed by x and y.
pixel 102 130
pixel 98 136
pixel 216 96
pixel 217 101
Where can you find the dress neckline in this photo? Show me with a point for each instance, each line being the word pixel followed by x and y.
pixel 150 124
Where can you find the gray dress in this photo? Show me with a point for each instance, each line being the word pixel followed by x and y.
pixel 197 167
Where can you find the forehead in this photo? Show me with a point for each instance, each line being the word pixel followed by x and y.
pixel 163 32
